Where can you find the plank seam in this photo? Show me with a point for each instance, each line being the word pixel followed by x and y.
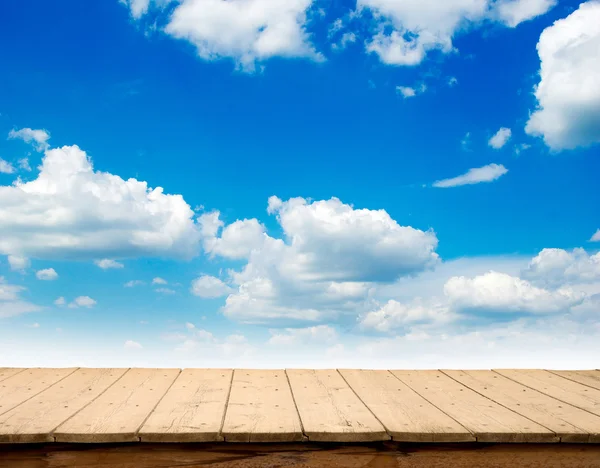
pixel 538 390
pixel 9 376
pixel 287 377
pixel 155 406
pixel 51 433
pixel 510 409
pixel 43 390
pixel 435 406
pixel 365 405
pixel 226 406
pixel 572 380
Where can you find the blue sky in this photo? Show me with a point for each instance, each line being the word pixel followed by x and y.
pixel 338 181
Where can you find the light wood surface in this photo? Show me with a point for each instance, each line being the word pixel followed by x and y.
pixel 21 386
pixel 330 411
pixel 35 419
pixel 406 415
pixel 261 408
pixel 562 389
pixel 192 410
pixel 489 421
pixel 222 405
pixel 117 414
pixel 570 423
pixel 591 378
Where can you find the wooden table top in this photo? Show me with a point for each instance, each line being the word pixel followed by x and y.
pixel 346 405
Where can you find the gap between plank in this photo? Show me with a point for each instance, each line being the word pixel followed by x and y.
pixel 538 390
pixel 364 404
pixel 9 376
pixel 287 377
pixel 43 390
pixel 157 403
pixel 226 406
pixel 86 405
pixel 569 378
pixel 510 409
pixel 435 406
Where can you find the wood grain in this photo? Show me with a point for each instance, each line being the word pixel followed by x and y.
pixel 21 386
pixel 117 414
pixel 591 378
pixel 570 423
pixel 406 415
pixel 489 421
pixel 261 408
pixel 6 372
pixel 192 410
pixel 34 420
pixel 330 411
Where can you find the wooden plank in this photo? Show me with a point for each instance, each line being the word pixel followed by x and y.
pixel 405 414
pixel 192 410
pixel 489 421
pixel 562 389
pixel 330 411
pixel 6 372
pixel 22 386
pixel 261 408
pixel 568 422
pixel 34 420
pixel 117 414
pixel 591 378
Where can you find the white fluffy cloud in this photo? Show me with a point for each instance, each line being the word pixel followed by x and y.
pixel 325 265
pixel 477 175
pixel 514 12
pixel 236 241
pixel 47 274
pixel 82 301
pixel 248 31
pixel 417 27
pixel 596 236
pixel 499 292
pixel 6 167
pixel 568 95
pixel 60 301
pixel 500 138
pixel 394 315
pixel 18 263
pixel 38 138
pixel 556 267
pixel 107 263
pixel 209 287
pixel 159 280
pixel 72 211
pixel 10 302
pixel 317 335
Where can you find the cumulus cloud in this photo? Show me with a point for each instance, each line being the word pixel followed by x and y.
pixel 408 92
pixel 568 95
pixel 107 263
pixel 326 263
pixel 209 287
pixel 159 280
pixel 24 164
pixel 499 292
pixel 317 335
pixel 236 241
pixel 596 236
pixel 500 138
pixel 18 263
pixel 72 211
pixel 37 138
pixel 10 302
pixel 556 267
pixel 60 301
pixel 407 30
pixel 394 315
pixel 247 31
pixel 82 301
pixel 514 12
pixel 477 175
pixel 47 274
pixel 6 167
pixel 130 344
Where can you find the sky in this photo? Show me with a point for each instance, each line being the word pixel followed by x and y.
pixel 308 183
